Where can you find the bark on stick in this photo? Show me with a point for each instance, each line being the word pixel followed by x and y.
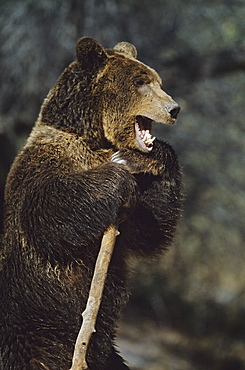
pixel 95 296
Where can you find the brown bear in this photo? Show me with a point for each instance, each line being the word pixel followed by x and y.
pixel 89 162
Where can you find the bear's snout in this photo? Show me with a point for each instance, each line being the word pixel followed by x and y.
pixel 173 109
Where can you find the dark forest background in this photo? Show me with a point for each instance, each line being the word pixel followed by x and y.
pixel 187 309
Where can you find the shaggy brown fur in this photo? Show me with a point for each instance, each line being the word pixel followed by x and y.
pixel 89 162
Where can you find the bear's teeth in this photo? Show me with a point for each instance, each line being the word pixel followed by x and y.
pixel 146 137
pixel 145 134
pixel 150 141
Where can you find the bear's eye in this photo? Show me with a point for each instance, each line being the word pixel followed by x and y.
pixel 139 82
pixel 141 79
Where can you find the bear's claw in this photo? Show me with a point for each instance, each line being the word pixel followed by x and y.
pixel 116 158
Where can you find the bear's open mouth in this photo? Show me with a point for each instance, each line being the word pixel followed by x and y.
pixel 144 138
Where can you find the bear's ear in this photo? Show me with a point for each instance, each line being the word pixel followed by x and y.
pixel 90 54
pixel 126 48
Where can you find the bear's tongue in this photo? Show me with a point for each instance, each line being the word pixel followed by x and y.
pixel 143 135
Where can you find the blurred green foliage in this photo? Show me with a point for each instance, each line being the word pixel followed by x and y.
pixel 199 50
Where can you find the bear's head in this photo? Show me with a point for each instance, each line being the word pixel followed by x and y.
pixel 109 98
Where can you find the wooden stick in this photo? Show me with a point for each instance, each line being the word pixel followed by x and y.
pixel 95 296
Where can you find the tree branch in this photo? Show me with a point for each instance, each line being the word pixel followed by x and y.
pixel 95 296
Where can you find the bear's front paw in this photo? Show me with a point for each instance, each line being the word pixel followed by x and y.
pixel 126 158
pixel 137 162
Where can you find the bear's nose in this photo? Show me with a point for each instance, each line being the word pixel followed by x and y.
pixel 173 109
